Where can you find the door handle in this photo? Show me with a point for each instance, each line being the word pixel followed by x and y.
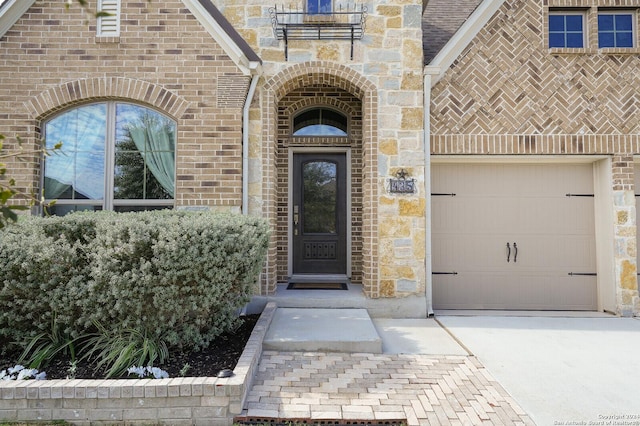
pixel 508 252
pixel 515 256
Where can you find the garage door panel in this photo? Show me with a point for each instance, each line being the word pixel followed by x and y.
pixel 469 253
pixel 531 292
pixel 522 204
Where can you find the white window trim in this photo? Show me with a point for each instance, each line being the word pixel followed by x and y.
pixel 634 35
pixel 109 26
pixel 585 26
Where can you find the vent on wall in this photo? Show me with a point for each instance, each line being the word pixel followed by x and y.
pixel 109 25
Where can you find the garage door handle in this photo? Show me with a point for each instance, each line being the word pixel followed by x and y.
pixel 515 256
pixel 508 252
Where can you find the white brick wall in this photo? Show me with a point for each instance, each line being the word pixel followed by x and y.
pixel 175 401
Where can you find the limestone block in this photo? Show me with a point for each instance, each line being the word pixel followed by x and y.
pixel 411 81
pixel 389 11
pixel 394 22
pixel 329 52
pixel 412 16
pixel 388 146
pixel 395 227
pixel 418 243
pixel 412 207
pixel 411 118
pixel 628 277
pixel 387 288
pixel 235 15
pixel 632 248
pixel 250 36
pixel 412 53
pixel 402 98
pixel 623 217
pixel 407 286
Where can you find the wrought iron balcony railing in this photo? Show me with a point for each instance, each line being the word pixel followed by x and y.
pixel 294 23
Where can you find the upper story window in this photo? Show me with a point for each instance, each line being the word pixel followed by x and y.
pixel 566 29
pixel 615 29
pixel 320 122
pixel 108 18
pixel 114 156
pixel 315 7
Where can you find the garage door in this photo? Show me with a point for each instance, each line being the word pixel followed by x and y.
pixel 513 236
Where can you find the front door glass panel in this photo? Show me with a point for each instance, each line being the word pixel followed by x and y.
pixel 320 191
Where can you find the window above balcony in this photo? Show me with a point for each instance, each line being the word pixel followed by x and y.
pixel 318 20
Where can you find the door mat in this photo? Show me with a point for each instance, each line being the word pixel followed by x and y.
pixel 317 286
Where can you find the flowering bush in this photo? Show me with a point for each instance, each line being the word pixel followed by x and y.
pixel 178 277
pixel 20 373
pixel 148 372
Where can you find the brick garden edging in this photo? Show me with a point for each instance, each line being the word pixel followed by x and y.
pixel 175 401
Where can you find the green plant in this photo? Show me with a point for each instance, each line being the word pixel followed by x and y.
pixel 72 369
pixel 117 350
pixel 43 347
pixel 178 276
pixel 183 371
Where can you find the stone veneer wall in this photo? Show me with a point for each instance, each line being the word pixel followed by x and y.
pixel 508 94
pixel 174 401
pixel 385 74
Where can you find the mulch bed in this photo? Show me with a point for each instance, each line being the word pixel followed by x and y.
pixel 223 353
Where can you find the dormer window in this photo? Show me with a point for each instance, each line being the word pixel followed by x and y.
pixel 108 18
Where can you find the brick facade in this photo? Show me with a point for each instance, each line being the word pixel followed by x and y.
pixel 508 94
pixel 51 60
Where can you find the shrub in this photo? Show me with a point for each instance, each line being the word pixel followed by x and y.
pixel 177 277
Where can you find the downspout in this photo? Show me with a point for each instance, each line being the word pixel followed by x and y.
pixel 245 139
pixel 428 288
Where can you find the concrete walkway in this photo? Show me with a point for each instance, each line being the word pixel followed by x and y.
pixel 561 370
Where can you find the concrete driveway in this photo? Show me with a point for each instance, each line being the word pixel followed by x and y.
pixel 561 370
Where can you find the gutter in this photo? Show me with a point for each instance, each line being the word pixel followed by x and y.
pixel 429 72
pixel 256 72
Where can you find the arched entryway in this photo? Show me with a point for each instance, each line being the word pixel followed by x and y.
pixel 320 138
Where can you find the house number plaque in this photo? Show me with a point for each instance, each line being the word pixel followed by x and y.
pixel 402 185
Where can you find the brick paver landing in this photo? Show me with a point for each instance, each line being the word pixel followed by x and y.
pixel 422 389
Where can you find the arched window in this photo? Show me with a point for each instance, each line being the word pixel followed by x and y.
pixel 320 122
pixel 114 156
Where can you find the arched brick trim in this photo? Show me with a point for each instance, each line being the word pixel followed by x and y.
pixel 72 92
pixel 339 76
pixel 317 102
pixel 320 72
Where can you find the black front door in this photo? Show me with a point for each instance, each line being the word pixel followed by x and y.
pixel 319 214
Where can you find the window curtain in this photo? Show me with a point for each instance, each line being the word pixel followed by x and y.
pixel 155 141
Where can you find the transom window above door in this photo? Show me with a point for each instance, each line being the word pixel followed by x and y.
pixel 320 122
pixel 114 156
